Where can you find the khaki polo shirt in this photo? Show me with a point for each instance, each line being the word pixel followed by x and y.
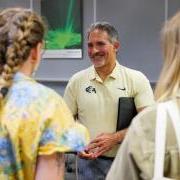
pixel 95 102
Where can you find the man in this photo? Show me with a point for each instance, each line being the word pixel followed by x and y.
pixel 92 95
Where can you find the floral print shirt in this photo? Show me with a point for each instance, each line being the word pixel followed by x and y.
pixel 34 120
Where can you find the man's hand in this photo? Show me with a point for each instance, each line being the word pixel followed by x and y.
pixel 102 143
pixel 99 146
pixel 86 155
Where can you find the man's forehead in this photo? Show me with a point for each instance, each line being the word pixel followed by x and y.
pixel 98 31
pixel 98 34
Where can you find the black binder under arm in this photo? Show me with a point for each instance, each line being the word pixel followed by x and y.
pixel 126 112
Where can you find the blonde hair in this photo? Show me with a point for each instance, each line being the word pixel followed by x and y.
pixel 169 81
pixel 20 31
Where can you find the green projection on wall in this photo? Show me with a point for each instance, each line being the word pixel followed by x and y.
pixel 64 24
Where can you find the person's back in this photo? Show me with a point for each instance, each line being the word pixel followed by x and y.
pixel 135 159
pixel 26 126
pixel 36 127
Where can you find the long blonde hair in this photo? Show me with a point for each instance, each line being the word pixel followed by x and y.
pixel 20 31
pixel 169 81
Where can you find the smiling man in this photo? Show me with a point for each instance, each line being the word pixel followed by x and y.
pixel 92 95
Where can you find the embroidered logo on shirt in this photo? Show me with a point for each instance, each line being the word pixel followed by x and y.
pixel 90 89
pixel 123 89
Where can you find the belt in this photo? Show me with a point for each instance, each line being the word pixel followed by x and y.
pixel 106 158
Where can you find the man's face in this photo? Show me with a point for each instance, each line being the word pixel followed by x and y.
pixel 100 50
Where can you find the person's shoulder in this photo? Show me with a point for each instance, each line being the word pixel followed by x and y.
pixel 137 77
pixel 144 122
pixel 32 92
pixel 133 72
pixel 40 89
pixel 146 112
pixel 50 96
pixel 49 91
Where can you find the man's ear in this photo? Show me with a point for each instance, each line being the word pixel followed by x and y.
pixel 35 53
pixel 116 45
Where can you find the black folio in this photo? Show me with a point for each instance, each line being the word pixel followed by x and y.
pixel 126 112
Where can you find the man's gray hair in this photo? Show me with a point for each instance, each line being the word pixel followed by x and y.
pixel 107 27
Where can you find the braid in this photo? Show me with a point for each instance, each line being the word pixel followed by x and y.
pixel 20 31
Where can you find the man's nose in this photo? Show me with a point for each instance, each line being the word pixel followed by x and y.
pixel 94 49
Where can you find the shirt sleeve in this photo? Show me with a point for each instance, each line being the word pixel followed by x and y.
pixel 59 132
pixel 143 92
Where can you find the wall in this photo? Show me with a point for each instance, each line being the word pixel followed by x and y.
pixel 138 22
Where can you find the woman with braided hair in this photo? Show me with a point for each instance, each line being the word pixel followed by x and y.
pixel 36 127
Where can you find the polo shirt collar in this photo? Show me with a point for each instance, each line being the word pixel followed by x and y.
pixel 115 72
pixel 94 75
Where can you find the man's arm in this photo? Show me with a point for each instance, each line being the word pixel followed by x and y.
pixel 50 167
pixel 120 135
pixel 144 93
pixel 105 142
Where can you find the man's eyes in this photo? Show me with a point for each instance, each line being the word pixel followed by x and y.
pixel 90 45
pixel 100 44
